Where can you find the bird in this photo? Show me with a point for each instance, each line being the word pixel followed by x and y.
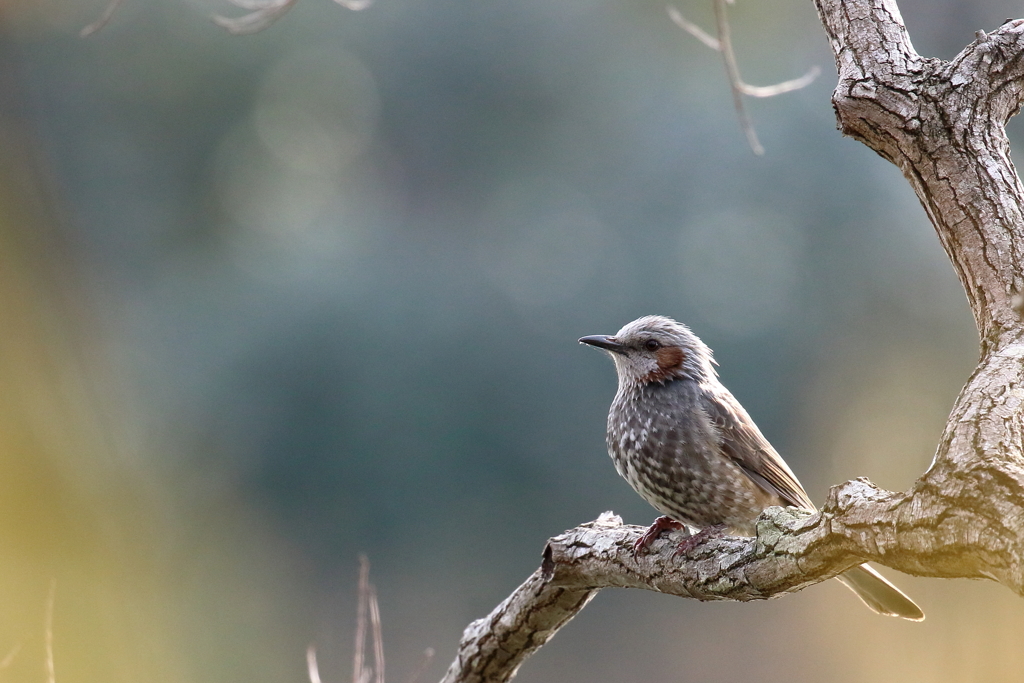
pixel 687 446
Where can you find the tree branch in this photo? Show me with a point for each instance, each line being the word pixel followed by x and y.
pixel 942 123
pixel 918 534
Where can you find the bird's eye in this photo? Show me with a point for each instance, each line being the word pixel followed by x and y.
pixel 652 345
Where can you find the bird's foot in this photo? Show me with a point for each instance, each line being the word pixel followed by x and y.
pixel 691 542
pixel 662 523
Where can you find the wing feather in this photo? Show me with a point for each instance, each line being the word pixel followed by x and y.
pixel 743 443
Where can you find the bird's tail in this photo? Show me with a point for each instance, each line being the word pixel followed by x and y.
pixel 880 595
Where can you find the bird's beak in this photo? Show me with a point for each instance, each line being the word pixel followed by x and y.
pixel 603 341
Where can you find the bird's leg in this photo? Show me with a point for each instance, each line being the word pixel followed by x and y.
pixel 692 541
pixel 663 523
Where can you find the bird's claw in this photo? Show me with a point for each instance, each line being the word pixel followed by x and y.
pixel 694 540
pixel 663 523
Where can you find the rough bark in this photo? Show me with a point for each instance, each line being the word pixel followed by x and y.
pixel 942 123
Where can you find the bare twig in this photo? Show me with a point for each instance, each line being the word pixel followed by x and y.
pixel 311 668
pixel 735 82
pixel 358 675
pixel 779 88
pixel 355 5
pixel 723 44
pixel 104 18
pixel 692 28
pixel 262 14
pixel 378 640
pixel 51 676
pixel 367 611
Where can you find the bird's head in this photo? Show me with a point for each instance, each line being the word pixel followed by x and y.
pixel 655 349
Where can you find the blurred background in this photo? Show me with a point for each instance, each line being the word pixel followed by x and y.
pixel 267 302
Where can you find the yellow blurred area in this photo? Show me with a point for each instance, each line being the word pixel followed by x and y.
pixel 73 513
pixel 143 587
pixel 880 415
pixel 80 513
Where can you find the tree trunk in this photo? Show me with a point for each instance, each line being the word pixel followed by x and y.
pixel 942 123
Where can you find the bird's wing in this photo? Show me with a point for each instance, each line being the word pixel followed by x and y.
pixel 742 442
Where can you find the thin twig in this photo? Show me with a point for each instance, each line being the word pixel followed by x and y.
pixel 378 640
pixel 364 594
pixel 104 18
pixel 692 28
pixel 779 88
pixel 311 667
pixel 355 5
pixel 723 44
pixel 735 83
pixel 262 14
pixel 51 676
